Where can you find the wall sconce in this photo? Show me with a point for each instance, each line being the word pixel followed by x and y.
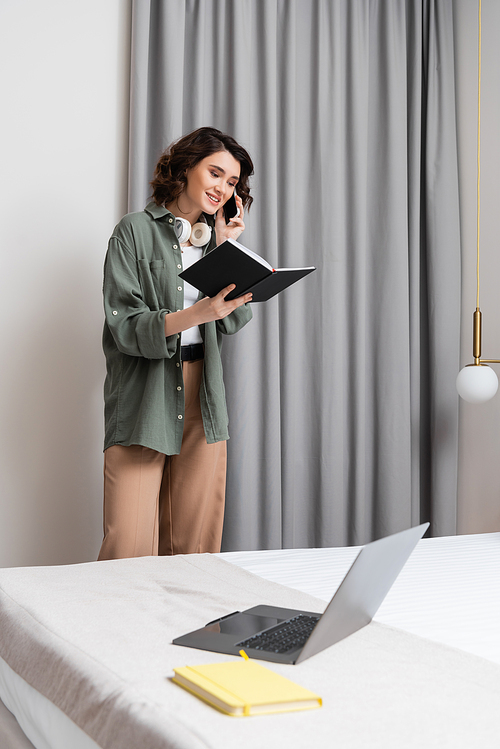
pixel 477 382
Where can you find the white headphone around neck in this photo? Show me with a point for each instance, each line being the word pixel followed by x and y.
pixel 198 235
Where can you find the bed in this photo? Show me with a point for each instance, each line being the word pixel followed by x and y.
pixel 86 657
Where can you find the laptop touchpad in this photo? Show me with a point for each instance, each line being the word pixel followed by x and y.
pixel 243 625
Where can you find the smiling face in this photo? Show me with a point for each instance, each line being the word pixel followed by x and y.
pixel 210 183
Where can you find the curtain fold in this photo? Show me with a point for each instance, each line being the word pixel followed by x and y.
pixel 343 410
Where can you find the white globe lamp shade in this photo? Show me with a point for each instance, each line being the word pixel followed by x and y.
pixel 477 383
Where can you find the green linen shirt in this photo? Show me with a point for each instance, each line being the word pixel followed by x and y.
pixel 144 388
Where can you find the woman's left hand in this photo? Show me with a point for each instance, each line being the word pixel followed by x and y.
pixel 234 228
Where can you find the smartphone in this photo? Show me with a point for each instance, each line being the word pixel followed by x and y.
pixel 230 208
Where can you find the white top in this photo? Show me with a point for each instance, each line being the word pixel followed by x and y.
pixel 190 255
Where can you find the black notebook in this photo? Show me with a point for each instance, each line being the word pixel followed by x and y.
pixel 231 262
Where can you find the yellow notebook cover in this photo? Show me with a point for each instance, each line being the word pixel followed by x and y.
pixel 244 687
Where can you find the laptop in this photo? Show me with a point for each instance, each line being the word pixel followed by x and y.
pixel 272 633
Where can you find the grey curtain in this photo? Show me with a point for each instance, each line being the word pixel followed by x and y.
pixel 343 411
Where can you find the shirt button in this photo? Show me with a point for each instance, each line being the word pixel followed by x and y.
pixel 179 288
pixel 179 387
pixel 180 416
pixel 115 312
pixel 175 247
pixel 170 220
pixel 179 266
pixel 179 336
pixel 177 364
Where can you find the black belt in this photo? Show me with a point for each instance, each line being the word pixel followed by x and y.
pixel 193 352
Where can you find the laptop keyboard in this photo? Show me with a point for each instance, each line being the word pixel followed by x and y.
pixel 286 636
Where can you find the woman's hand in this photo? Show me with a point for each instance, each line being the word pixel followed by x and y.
pixel 234 228
pixel 216 308
pixel 207 309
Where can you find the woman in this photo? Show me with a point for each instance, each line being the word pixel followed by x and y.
pixel 165 410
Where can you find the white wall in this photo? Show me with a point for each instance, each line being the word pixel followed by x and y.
pixel 64 99
pixel 479 464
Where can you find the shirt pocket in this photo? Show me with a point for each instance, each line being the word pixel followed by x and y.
pixel 153 277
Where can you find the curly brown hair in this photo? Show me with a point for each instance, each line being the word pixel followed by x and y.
pixel 170 176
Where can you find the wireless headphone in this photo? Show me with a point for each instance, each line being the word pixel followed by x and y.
pixel 198 235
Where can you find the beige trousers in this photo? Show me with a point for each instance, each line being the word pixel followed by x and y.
pixel 159 504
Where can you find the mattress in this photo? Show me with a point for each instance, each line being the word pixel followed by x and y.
pixel 448 593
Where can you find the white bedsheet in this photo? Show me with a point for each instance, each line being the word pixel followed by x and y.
pixel 448 591
pixel 38 717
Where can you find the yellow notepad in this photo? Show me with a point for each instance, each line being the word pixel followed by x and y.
pixel 244 687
